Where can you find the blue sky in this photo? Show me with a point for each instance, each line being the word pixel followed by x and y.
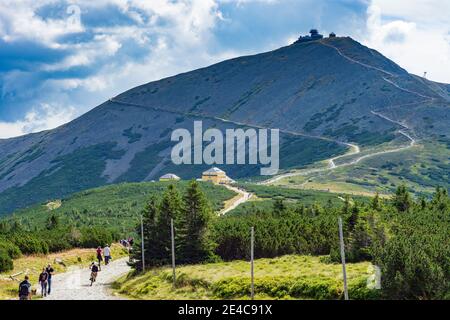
pixel 59 59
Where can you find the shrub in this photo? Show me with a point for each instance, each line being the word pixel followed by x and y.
pixel 94 237
pixel 28 243
pixel 6 263
pixel 11 249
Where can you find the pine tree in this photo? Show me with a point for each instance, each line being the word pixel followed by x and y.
pixel 171 208
pixel 353 218
pixel 149 216
pixel 52 222
pixel 196 245
pixel 278 206
pixel 376 202
pixel 402 199
pixel 347 206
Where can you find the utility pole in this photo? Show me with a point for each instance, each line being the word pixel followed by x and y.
pixel 252 256
pixel 142 244
pixel 344 271
pixel 172 233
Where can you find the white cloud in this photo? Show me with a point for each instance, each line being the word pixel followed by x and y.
pixel 415 34
pixel 46 117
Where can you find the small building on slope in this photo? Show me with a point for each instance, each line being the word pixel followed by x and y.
pixel 169 177
pixel 217 176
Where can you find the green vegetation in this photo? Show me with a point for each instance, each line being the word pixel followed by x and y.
pixel 307 197
pixel 421 168
pixel 192 216
pixel 114 207
pixel 362 137
pixel 70 173
pixel 143 162
pixel 86 220
pixel 287 277
pixel 391 234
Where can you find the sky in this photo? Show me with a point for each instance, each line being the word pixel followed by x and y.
pixel 59 59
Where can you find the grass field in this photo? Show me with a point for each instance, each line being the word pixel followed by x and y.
pixel 32 265
pixel 287 277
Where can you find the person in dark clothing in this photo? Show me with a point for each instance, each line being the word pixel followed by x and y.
pixel 99 257
pixel 50 273
pixel 94 271
pixel 25 289
pixel 43 281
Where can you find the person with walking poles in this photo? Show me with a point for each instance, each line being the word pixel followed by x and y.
pixel 50 271
pixel 99 257
pixel 107 254
pixel 25 289
pixel 43 281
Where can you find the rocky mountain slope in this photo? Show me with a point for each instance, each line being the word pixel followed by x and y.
pixel 320 94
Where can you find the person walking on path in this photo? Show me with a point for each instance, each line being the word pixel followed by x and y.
pixel 107 254
pixel 25 289
pixel 99 257
pixel 50 271
pixel 94 272
pixel 43 281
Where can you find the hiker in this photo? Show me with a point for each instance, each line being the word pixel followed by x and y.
pixel 25 289
pixel 94 272
pixel 50 273
pixel 107 254
pixel 99 257
pixel 43 281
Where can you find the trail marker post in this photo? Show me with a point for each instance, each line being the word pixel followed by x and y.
pixel 344 270
pixel 252 256
pixel 172 233
pixel 142 244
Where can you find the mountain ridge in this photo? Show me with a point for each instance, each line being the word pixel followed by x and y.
pixel 324 90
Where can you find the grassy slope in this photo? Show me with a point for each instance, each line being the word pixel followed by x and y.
pixel 288 277
pixel 422 168
pixel 292 197
pixel 115 206
pixel 32 265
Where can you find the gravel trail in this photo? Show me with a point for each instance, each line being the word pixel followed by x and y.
pixel 75 284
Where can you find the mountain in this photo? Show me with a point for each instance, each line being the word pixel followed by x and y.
pixel 320 94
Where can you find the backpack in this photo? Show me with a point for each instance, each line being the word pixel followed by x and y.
pixel 24 289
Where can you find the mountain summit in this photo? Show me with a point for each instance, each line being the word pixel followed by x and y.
pixel 319 93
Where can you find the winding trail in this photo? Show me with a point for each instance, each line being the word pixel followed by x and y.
pixel 355 149
pixel 242 197
pixel 75 284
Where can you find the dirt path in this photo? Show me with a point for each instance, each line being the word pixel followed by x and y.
pixel 353 151
pixel 75 284
pixel 243 196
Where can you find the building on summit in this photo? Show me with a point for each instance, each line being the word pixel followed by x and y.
pixel 169 177
pixel 314 35
pixel 217 176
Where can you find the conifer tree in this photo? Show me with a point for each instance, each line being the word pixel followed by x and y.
pixel 52 222
pixel 171 208
pixel 278 206
pixel 152 252
pixel 196 245
pixel 402 199
pixel 376 202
